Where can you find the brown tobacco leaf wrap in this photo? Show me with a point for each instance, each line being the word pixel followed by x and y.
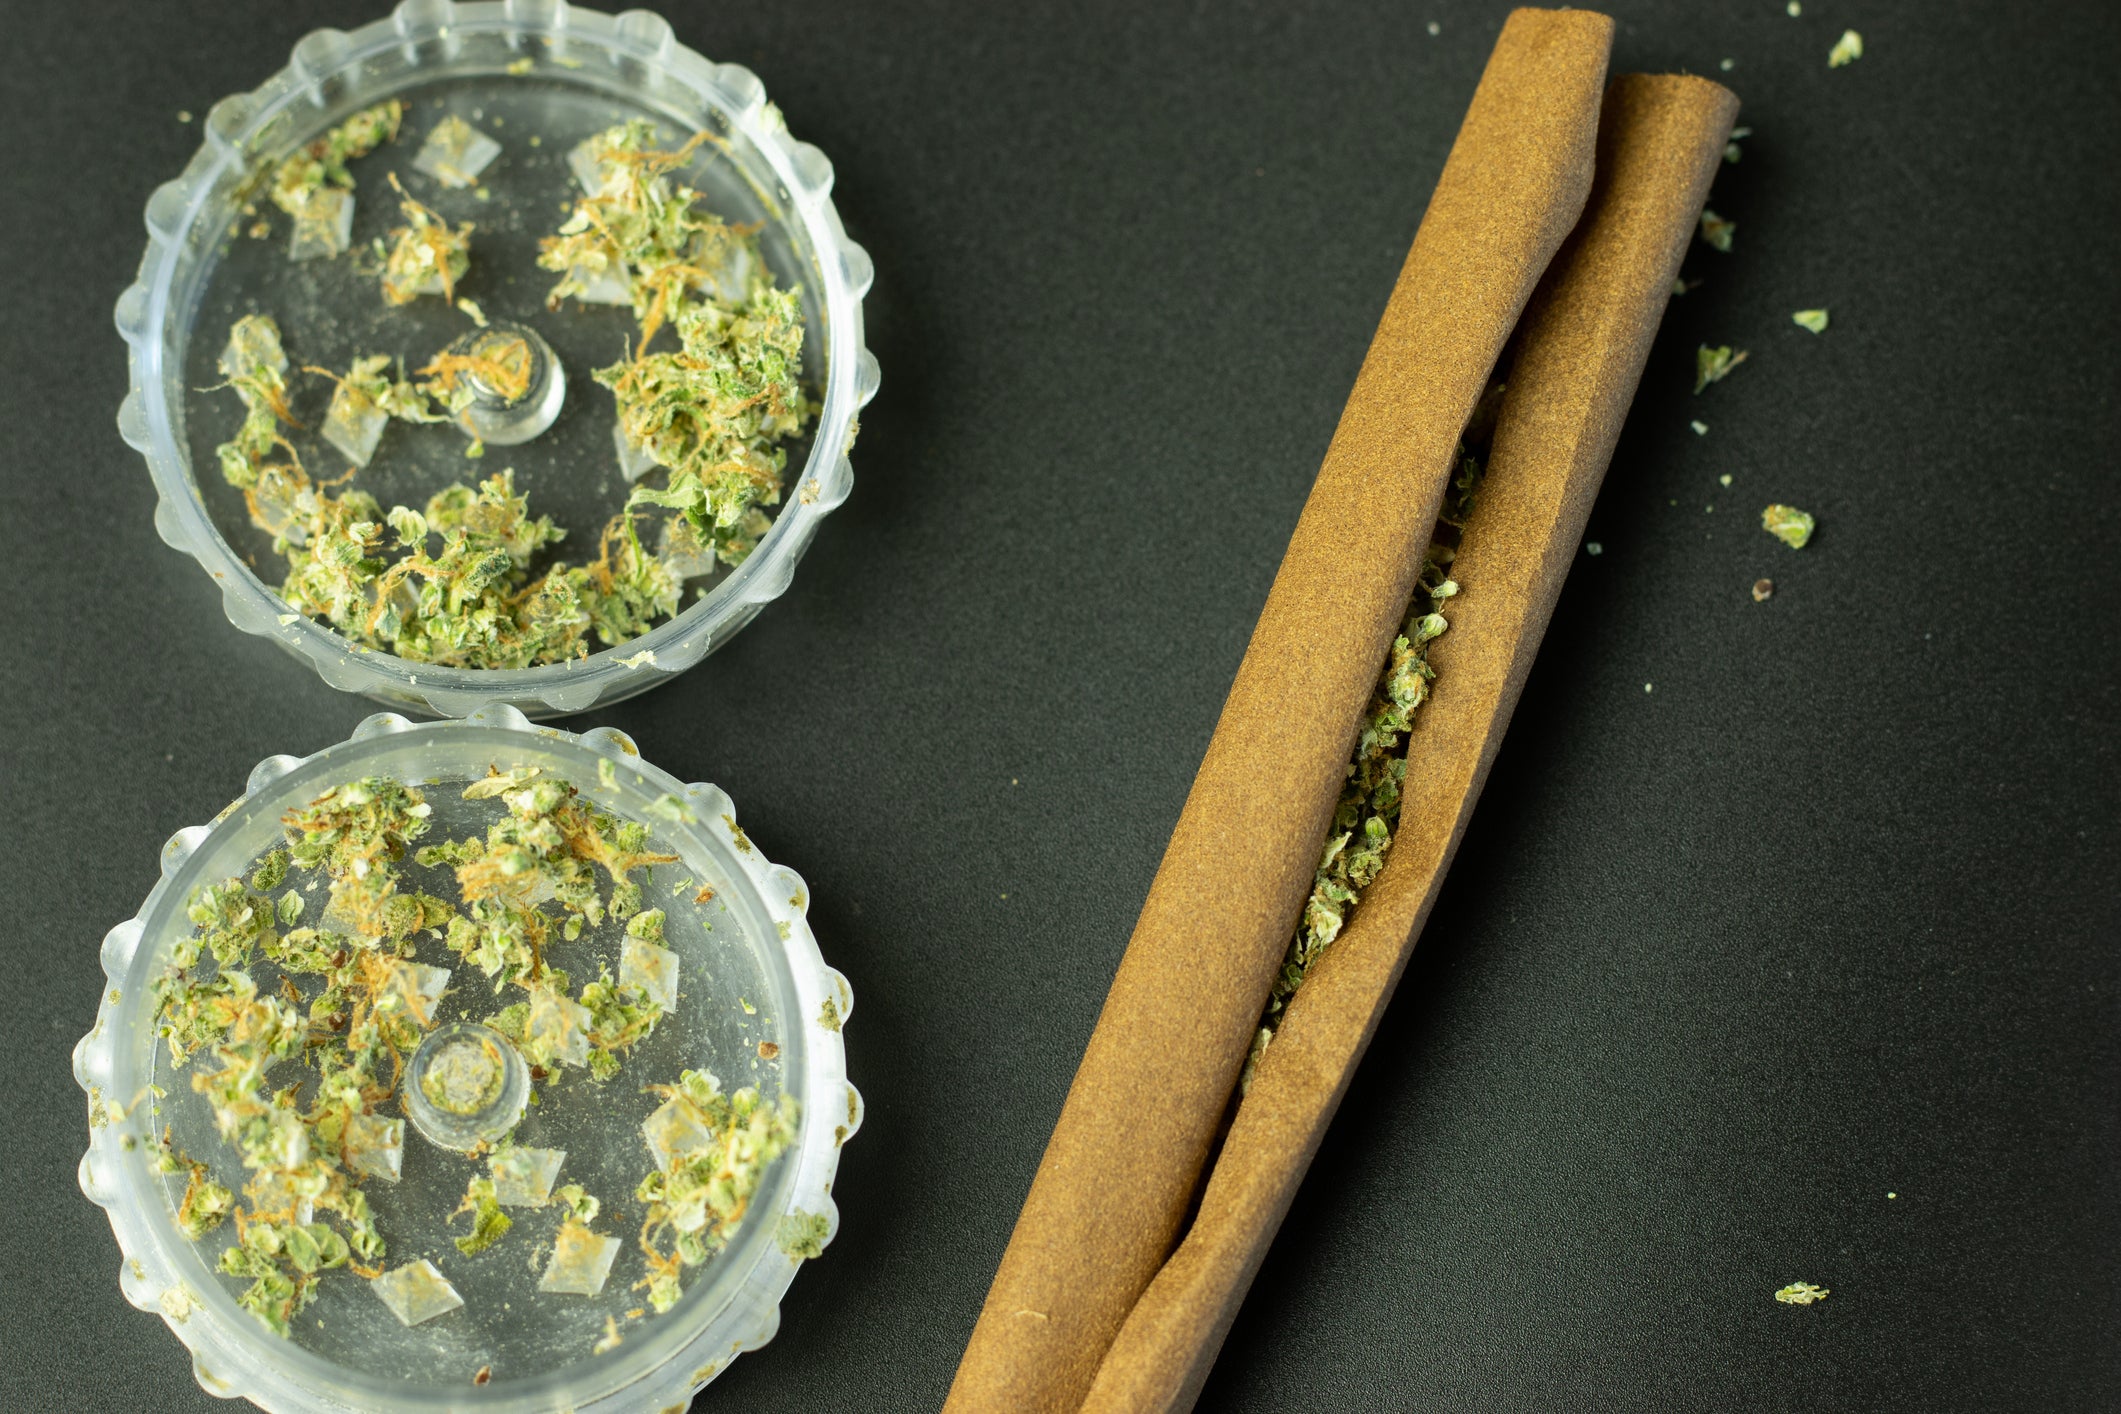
pixel 1584 343
pixel 1127 1153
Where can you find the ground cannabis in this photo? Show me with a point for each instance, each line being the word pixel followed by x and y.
pixel 497 362
pixel 353 1005
pixel 1361 832
pixel 1787 524
pixel 1801 1293
pixel 1847 50
pixel 715 410
pixel 453 583
pixel 364 399
pixel 302 1163
pixel 322 163
pixel 1812 319
pixel 712 1152
pixel 315 187
pixel 205 1202
pixel 635 238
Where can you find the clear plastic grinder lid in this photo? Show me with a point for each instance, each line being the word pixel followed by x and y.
pixel 516 1302
pixel 490 108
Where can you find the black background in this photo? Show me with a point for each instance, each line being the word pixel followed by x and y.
pixel 1829 914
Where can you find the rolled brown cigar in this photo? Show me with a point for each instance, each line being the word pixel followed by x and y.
pixel 1127 1153
pixel 1581 355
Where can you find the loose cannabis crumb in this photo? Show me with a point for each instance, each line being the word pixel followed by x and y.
pixel 254 365
pixel 1715 365
pixel 1801 1293
pixel 425 256
pixel 1812 319
pixel 1763 589
pixel 1701 429
pixel 499 360
pixel 1795 8
pixel 1717 232
pixel 1847 50
pixel 802 1235
pixel 1593 547
pixel 1787 524
pixel 323 162
pixel 313 185
pixel 1732 152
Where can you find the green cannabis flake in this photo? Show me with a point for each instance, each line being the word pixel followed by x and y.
pixel 1801 1293
pixel 1812 319
pixel 1787 524
pixel 1847 50
pixel 714 412
pixel 1713 365
pixel 1716 232
pixel 488 1223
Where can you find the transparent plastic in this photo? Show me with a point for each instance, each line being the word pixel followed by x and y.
pixel 756 1004
pixel 518 70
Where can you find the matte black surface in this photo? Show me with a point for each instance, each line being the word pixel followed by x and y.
pixel 1830 914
